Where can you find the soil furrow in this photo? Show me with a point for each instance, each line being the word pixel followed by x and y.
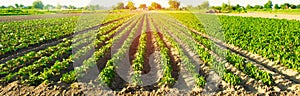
pixel 184 74
pixel 172 53
pixel 93 73
pixel 122 72
pixel 151 68
pixel 90 53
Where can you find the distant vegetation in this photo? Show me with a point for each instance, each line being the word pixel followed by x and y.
pixel 224 8
pixel 38 7
pixel 268 6
pixel 174 5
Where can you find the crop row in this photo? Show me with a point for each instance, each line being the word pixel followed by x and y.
pixel 238 61
pixel 16 63
pixel 108 73
pixel 63 65
pixel 138 62
pixel 12 64
pixel 207 58
pixel 14 38
pixel 277 40
pixel 190 66
pixel 167 78
pixel 37 77
pixel 78 72
pixel 32 69
pixel 78 40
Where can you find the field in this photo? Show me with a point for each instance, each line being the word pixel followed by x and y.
pixel 149 53
pixel 15 12
pixel 265 15
pixel 278 11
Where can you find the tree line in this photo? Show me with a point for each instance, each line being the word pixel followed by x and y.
pixel 39 5
pixel 267 6
pixel 173 5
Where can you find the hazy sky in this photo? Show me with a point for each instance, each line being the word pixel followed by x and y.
pixel 164 3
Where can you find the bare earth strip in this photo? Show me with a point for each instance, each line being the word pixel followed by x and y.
pixel 265 15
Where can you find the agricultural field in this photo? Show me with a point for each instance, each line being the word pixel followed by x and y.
pixel 150 53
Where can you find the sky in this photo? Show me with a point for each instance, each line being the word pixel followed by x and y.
pixel 164 3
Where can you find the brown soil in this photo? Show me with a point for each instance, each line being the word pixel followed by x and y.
pixel 136 41
pixel 101 63
pixel 118 82
pixel 15 89
pixel 133 48
pixel 174 58
pixel 149 50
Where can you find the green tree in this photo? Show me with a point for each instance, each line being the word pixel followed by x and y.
pixel 285 6
pixel 174 4
pixel 130 5
pixel 2 6
pixel 238 6
pixel 48 6
pixel 204 5
pixel 17 5
pixel 92 7
pixel 58 6
pixel 38 4
pixel 21 6
pixel 71 7
pixel 293 6
pixel 277 6
pixel 11 7
pixel 143 6
pixel 155 6
pixel 120 5
pixel 216 7
pixel 249 6
pixel 268 5
pixel 298 6
pixel 98 7
pixel 258 7
pixel 226 7
pixel 244 10
pixel 189 7
pixel 240 9
pixel 282 6
pixel 28 7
